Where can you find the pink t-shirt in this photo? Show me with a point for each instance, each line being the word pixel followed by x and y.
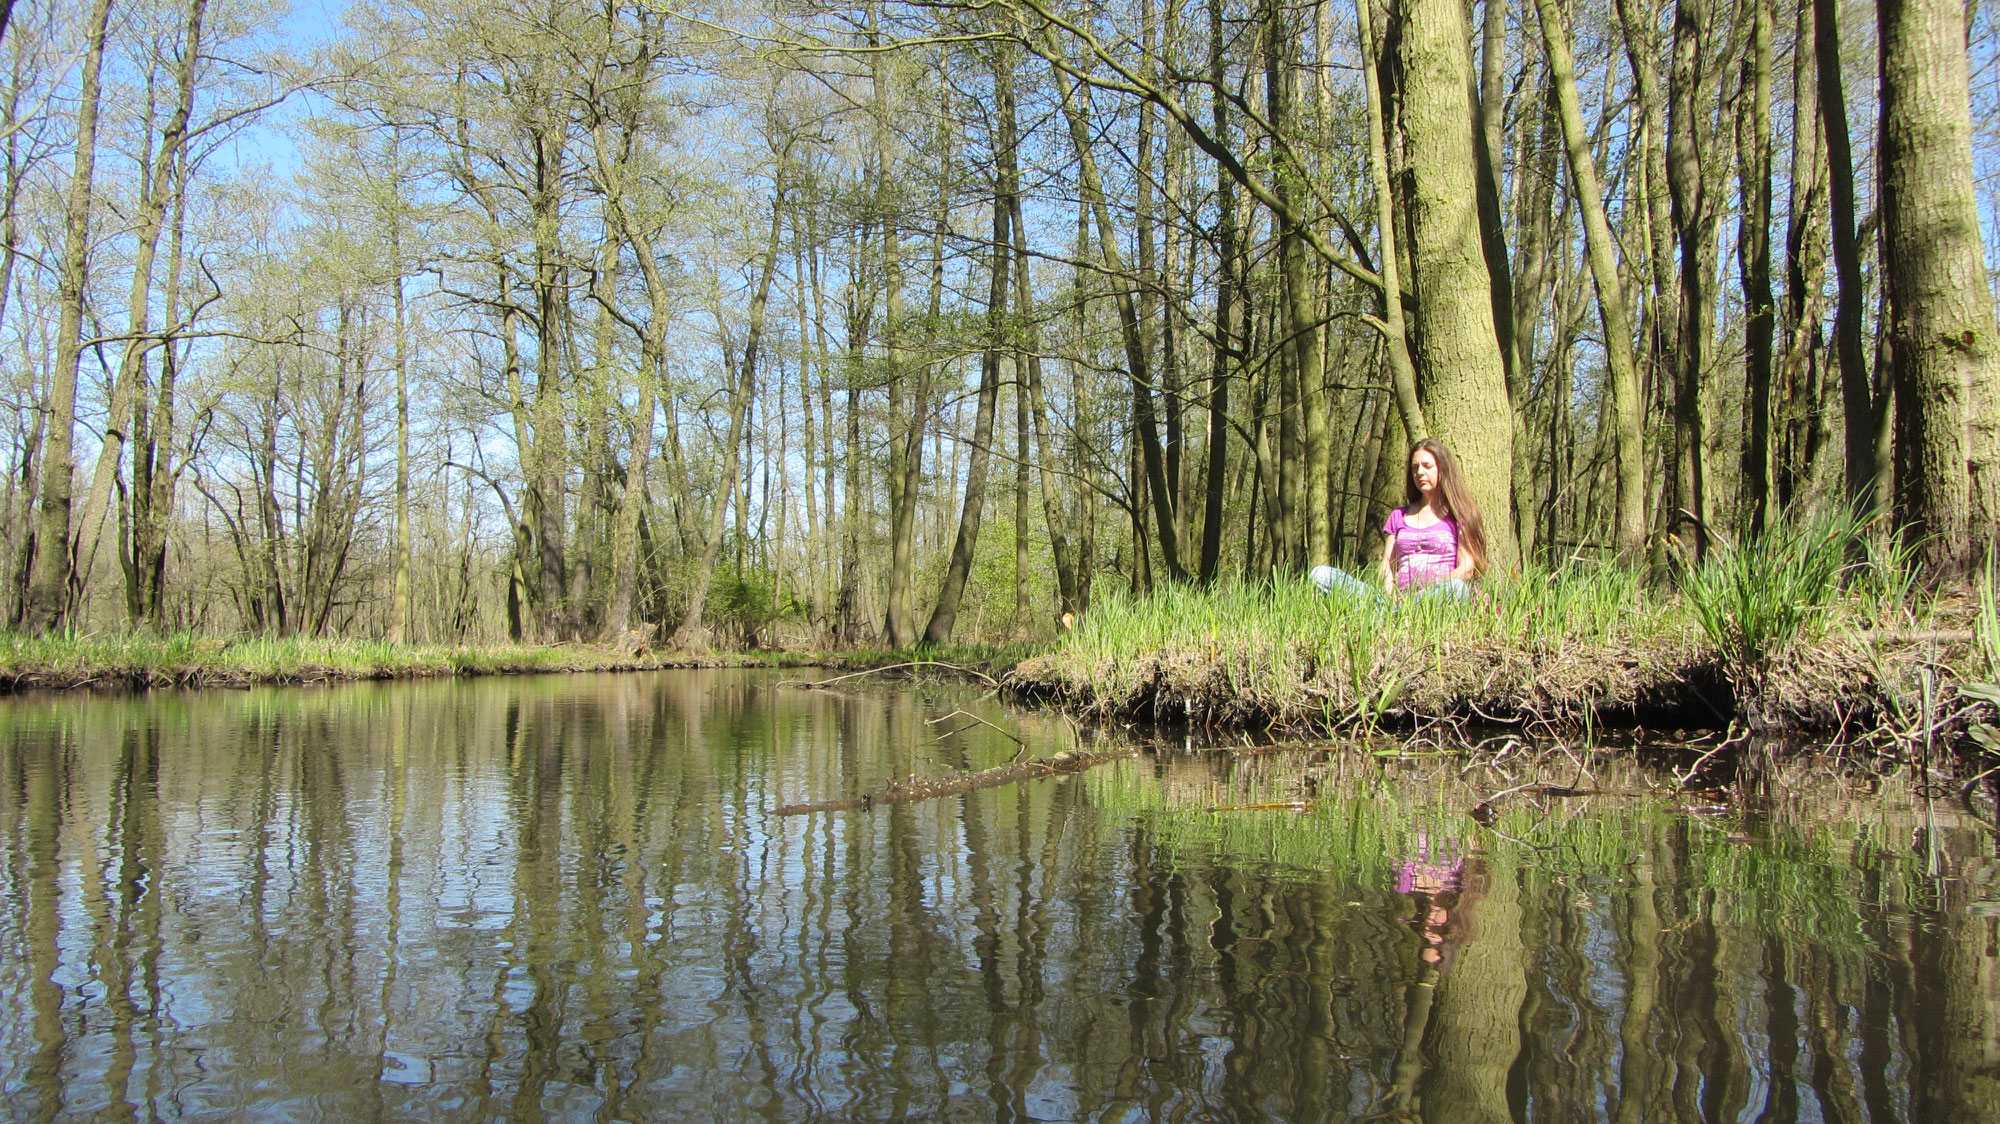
pixel 1422 555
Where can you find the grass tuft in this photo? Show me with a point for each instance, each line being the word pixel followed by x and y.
pixel 1754 600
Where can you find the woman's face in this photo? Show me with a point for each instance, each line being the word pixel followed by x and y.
pixel 1424 470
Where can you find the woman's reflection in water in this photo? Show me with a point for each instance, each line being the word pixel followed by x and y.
pixel 1442 882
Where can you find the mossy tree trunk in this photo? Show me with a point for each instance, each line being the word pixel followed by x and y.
pixel 1946 357
pixel 1460 373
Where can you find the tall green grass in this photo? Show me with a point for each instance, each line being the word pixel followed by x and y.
pixel 186 657
pixel 1548 641
pixel 1273 645
pixel 1755 599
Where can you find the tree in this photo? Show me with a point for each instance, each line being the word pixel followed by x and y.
pixel 1457 356
pixel 1627 408
pixel 1945 349
pixel 47 602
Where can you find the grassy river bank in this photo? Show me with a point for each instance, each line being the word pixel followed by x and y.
pixel 138 660
pixel 1806 631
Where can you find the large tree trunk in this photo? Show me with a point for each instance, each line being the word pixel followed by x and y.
pixel 1945 353
pixel 1475 1035
pixel 47 604
pixel 1628 435
pixel 1458 352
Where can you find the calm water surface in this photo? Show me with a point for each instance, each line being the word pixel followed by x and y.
pixel 568 898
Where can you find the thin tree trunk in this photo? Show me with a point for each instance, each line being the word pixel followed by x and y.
pixel 1639 19
pixel 1690 203
pixel 404 607
pixel 1539 157
pixel 906 438
pixel 48 598
pixel 1395 331
pixel 1753 252
pixel 625 544
pixel 163 179
pixel 1306 510
pixel 552 616
pixel 1628 435
pixel 1856 395
pixel 1022 601
pixel 155 465
pixel 691 632
pixel 1805 267
pixel 1138 370
pixel 959 568
pixel 1226 314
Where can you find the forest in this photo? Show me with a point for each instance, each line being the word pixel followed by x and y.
pixel 825 324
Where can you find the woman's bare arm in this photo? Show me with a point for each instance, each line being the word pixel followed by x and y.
pixel 1387 573
pixel 1466 567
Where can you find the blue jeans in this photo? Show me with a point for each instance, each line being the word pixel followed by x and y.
pixel 1330 580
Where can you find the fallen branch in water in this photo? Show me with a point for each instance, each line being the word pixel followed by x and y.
pixel 913 789
pixel 816 684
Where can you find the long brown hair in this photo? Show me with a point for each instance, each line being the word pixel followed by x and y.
pixel 1454 500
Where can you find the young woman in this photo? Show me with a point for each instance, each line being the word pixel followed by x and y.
pixel 1436 542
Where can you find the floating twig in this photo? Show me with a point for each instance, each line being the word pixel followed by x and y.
pixel 912 789
pixel 816 684
pixel 1694 770
pixel 975 718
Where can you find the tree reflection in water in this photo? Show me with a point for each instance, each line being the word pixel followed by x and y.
pixel 567 897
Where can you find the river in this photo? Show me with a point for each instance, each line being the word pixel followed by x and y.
pixel 570 898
